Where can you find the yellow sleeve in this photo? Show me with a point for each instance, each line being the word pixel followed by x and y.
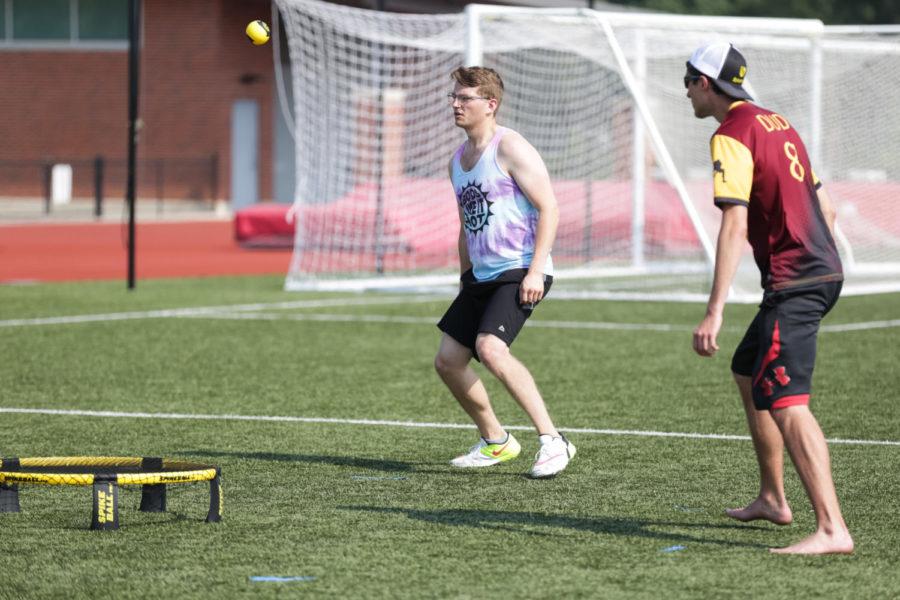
pixel 732 170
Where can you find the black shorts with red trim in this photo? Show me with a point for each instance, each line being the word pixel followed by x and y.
pixel 778 351
pixel 488 307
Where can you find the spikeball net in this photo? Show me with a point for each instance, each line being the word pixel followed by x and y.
pixel 105 474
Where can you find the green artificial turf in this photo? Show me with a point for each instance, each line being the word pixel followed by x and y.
pixel 373 510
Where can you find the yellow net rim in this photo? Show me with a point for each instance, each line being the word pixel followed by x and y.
pixel 16 471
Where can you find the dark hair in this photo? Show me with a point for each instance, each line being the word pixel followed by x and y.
pixel 692 71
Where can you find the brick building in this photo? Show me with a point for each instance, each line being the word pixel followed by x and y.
pixel 65 95
pixel 64 64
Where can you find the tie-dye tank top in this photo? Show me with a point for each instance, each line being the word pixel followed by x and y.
pixel 500 222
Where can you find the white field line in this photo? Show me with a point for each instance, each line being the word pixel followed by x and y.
pixel 388 423
pixel 255 311
pixel 351 318
pixel 861 326
pixel 550 324
pixel 212 310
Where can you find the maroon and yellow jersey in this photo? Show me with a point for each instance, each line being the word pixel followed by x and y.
pixel 760 162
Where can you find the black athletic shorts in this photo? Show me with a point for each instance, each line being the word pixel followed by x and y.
pixel 488 307
pixel 779 349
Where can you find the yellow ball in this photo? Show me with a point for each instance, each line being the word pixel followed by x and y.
pixel 258 32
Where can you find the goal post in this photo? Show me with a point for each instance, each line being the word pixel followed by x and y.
pixel 634 80
pixel 600 96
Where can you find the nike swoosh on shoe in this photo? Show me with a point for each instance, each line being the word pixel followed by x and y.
pixel 554 457
pixel 496 453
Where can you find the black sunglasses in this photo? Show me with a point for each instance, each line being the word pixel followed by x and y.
pixel 689 79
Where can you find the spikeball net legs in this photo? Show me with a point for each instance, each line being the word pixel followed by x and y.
pixel 105 475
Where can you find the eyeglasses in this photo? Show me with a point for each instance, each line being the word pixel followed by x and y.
pixel 451 98
pixel 689 79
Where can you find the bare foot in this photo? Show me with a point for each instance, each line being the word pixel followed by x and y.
pixel 820 543
pixel 759 509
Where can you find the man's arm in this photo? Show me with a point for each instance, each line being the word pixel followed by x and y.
pixel 524 164
pixel 827 208
pixel 729 247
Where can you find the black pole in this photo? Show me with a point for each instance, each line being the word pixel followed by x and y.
pixel 98 186
pixel 48 186
pixel 134 28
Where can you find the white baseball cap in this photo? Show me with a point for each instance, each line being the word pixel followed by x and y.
pixel 724 64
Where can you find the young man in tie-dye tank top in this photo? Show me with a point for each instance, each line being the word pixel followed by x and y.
pixel 508 218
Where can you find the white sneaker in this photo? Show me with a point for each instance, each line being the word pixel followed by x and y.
pixel 553 457
pixel 484 454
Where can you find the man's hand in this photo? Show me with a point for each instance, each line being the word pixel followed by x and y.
pixel 531 289
pixel 705 334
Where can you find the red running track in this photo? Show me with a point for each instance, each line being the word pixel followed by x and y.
pixel 97 251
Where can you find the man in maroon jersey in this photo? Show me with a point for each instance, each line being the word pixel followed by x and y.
pixel 765 187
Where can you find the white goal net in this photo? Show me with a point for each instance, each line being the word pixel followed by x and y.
pixel 600 95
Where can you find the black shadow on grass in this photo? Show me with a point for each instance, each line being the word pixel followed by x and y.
pixel 167 518
pixel 390 466
pixel 128 519
pixel 130 516
pixel 376 464
pixel 516 521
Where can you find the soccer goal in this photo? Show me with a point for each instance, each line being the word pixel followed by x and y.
pixel 600 95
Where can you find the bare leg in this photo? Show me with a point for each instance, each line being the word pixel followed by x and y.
pixel 496 357
pixel 771 503
pixel 809 452
pixel 452 364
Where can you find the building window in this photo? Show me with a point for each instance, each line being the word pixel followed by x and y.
pixel 41 20
pixel 63 23
pixel 103 19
